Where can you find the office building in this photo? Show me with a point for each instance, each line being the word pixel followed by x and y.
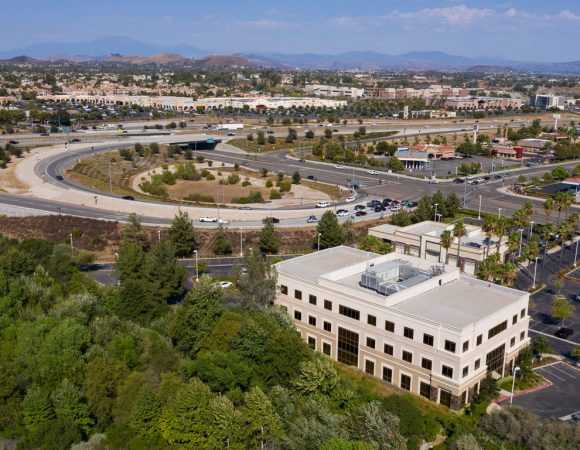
pixel 414 323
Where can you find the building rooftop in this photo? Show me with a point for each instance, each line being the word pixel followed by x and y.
pixel 402 283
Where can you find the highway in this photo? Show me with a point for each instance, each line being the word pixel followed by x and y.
pixel 371 186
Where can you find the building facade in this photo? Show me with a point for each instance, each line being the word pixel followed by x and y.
pixel 421 327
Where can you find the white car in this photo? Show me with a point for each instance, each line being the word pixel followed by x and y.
pixel 350 199
pixel 208 219
pixel 396 208
pixel 338 166
pixel 226 284
pixel 223 221
pixel 342 213
pixel 433 181
pixel 322 205
pixel 372 172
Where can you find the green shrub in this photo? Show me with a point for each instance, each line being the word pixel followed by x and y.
pixel 275 195
pixel 246 182
pixel 234 178
pixel 285 186
pixel 199 198
pixel 254 197
pixel 269 183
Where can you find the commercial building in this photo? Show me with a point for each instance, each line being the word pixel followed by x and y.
pixel 434 91
pixel 417 324
pixel 334 91
pixel 417 157
pixel 423 240
pixel 535 144
pixel 507 152
pixel 548 101
pixel 481 103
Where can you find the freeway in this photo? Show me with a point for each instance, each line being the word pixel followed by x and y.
pixel 52 167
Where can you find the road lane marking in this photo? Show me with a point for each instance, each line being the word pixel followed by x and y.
pixel 556 376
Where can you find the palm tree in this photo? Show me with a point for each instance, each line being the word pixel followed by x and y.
pixel 568 201
pixel 528 210
pixel 501 226
pixel 446 241
pixel 489 224
pixel 509 273
pixel 459 231
pixel 563 201
pixel 548 208
pixel 513 243
pixel 565 231
pixel 486 270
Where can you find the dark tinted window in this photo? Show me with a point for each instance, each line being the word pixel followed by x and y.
pixel 449 346
pixel 426 363
pixel 407 356
pixel 297 294
pixel 428 339
pixel 408 332
pixel 349 312
pixel 389 326
pixel 370 342
pixel 372 320
pixel 312 299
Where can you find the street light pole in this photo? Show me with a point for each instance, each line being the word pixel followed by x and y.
pixel 576 252
pixel 535 268
pixel 436 205
pixel 159 235
pixel 499 213
pixel 241 241
pixel 516 370
pixel 72 246
pixel 521 239
pixel 319 234
pixel 479 210
pixel 531 229
pixel 196 267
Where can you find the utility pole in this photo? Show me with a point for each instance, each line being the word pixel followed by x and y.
pixel 110 179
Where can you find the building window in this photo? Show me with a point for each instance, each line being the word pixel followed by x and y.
pixel 428 339
pixel 370 342
pixel 449 346
pixel 426 363
pixel 465 346
pixel 405 382
pixel 522 335
pixel 497 329
pixel 347 347
pixel 326 348
pixel 447 371
pixel 465 371
pixel 388 349
pixel 312 299
pixel 407 356
pixel 512 342
pixel 297 315
pixel 312 321
pixel 514 319
pixel 349 312
pixel 372 320
pixel 311 342
pixel 389 326
pixel 283 289
pixel 495 359
pixel 522 313
pixel 327 326
pixel 445 398
pixel 477 364
pixel 479 339
pixel 328 305
pixel 425 390
pixel 408 332
pixel 369 367
pixel 388 374
pixel 297 294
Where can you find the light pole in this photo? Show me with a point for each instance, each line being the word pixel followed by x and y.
pixel 319 234
pixel 71 243
pixel 241 241
pixel 531 229
pixel 499 213
pixel 535 268
pixel 521 230
pixel 479 210
pixel 438 217
pixel 110 179
pixel 576 252
pixel 196 267
pixel 516 370
pixel 436 205
pixel 159 235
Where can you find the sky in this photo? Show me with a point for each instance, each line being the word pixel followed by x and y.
pixel 530 30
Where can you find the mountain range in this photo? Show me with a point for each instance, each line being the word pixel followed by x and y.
pixel 127 51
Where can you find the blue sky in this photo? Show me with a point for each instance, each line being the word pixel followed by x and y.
pixel 539 30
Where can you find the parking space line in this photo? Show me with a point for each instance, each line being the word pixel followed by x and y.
pixel 563 371
pixel 555 376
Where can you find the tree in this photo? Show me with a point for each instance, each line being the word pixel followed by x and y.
pixel 330 231
pixel 263 426
pixel 183 235
pixel 258 283
pixel 561 309
pixel 222 244
pixel 69 406
pixel 371 423
pixel 459 231
pixel 36 408
pixel 269 240
pixel 102 381
pixel 296 177
pixel 316 376
pixel 395 164
pixel 374 244
pixel 133 232
pixel 446 239
pixel 163 273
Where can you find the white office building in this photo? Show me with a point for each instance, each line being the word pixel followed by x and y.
pixel 417 324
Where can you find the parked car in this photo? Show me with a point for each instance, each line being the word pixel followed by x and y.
pixel 59 177
pixel 13 142
pixel 223 221
pixel 342 213
pixel 77 140
pixel 128 197
pixel 380 208
pixel 577 297
pixel 338 166
pixel 312 219
pixel 311 177
pixel 433 181
pixel 372 172
pixel 374 203
pixel 412 204
pixel 458 180
pixel 322 205
pixel 271 219
pixel 497 177
pixel 231 134
pixel 564 333
pixel 208 219
pixel 360 213
pixel 350 199
pixel 245 208
pixel 359 207
pixel 225 284
pixel 395 207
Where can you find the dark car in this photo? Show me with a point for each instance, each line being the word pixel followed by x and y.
pixel 75 140
pixel 497 177
pixel 564 333
pixel 270 132
pixel 412 204
pixel 374 203
pixel 13 142
pixel 128 197
pixel 245 208
pixel 231 134
pixel 311 177
pixel 59 177
pixel 271 219
pixel 487 177
pixel 360 213
pixel 387 201
pixel 359 207
pixel 380 208
pixel 459 180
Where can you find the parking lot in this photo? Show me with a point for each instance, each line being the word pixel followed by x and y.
pixel 557 401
